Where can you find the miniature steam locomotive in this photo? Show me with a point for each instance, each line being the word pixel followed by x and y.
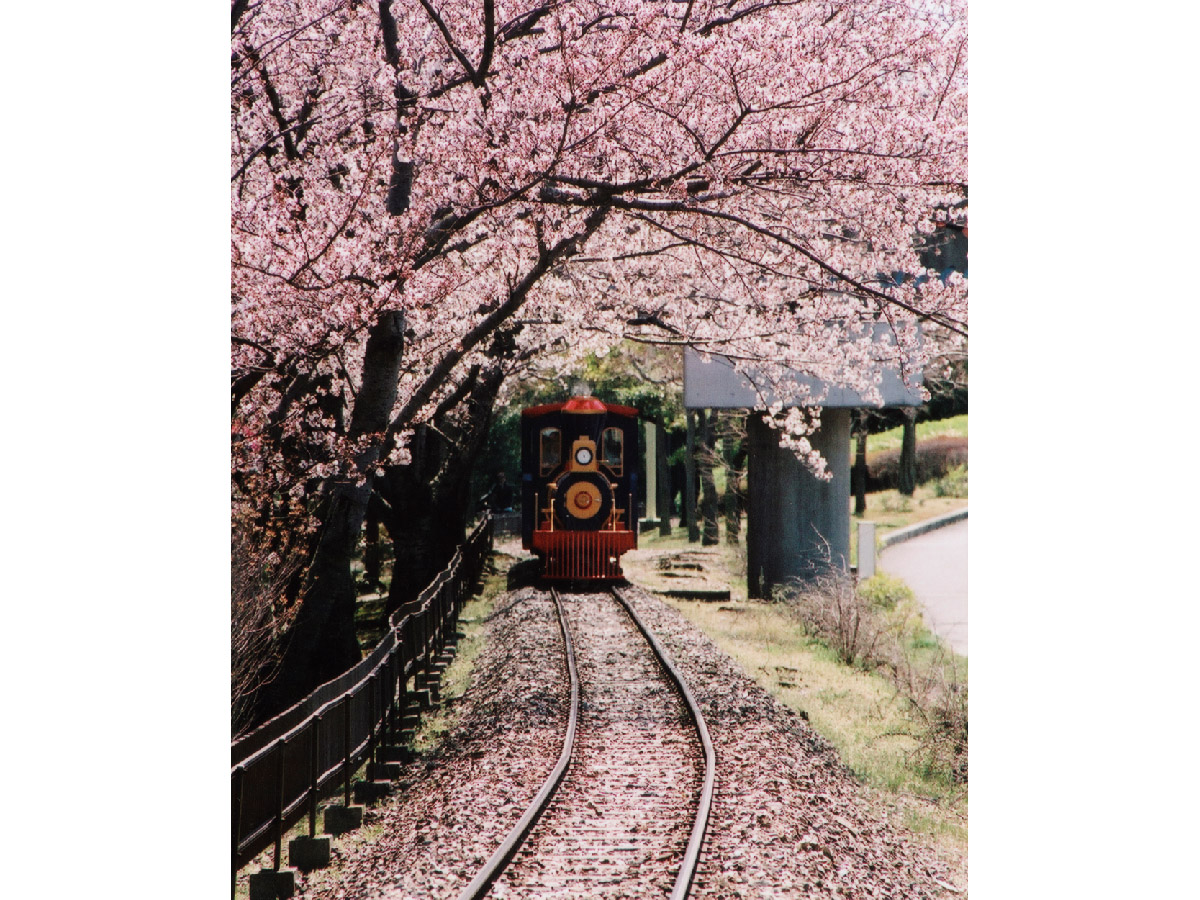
pixel 579 487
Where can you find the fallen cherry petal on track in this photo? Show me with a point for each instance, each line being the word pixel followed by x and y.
pixel 788 820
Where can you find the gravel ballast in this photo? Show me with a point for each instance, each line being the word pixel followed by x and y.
pixel 789 820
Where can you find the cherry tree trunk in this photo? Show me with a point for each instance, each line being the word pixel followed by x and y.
pixel 664 480
pixel 426 518
pixel 907 477
pixel 372 548
pixel 428 501
pixel 689 486
pixel 859 475
pixel 734 455
pixel 708 494
pixel 322 642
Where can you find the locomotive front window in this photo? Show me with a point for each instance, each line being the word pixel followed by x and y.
pixel 612 451
pixel 551 450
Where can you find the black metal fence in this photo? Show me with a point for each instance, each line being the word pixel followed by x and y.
pixel 507 523
pixel 281 769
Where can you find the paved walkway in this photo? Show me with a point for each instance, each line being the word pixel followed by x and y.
pixel 934 565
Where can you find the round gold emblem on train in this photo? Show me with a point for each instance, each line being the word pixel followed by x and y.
pixel 583 499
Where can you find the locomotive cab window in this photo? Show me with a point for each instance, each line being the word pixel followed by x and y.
pixel 551 450
pixel 612 449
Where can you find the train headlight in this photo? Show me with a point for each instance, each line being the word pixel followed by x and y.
pixel 583 456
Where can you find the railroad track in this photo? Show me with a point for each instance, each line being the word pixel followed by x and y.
pixel 623 812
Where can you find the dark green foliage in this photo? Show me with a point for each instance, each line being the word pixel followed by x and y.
pixel 501 453
pixel 637 376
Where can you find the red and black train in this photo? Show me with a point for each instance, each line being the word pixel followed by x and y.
pixel 579 487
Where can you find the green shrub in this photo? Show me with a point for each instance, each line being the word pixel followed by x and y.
pixel 952 484
pixel 884 591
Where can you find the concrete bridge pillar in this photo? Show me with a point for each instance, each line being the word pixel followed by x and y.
pixel 797 526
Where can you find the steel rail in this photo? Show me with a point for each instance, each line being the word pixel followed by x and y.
pixel 482 882
pixel 691 858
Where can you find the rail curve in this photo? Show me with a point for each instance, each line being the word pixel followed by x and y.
pixel 482 882
pixel 687 869
pixel 638 808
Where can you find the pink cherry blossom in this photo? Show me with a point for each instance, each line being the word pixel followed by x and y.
pixel 743 177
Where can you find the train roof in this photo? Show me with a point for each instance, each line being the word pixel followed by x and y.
pixel 579 405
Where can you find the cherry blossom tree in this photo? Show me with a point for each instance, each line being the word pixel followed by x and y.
pixel 427 190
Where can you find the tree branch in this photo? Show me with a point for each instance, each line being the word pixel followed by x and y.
pixel 516 298
pixel 489 40
pixel 677 206
pixel 446 36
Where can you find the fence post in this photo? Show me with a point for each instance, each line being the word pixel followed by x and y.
pixel 280 744
pixel 444 601
pixel 373 711
pixel 397 682
pixel 402 681
pixel 316 774
pixel 346 745
pixel 239 774
pixel 385 730
pixel 426 637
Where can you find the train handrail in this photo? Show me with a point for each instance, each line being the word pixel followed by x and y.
pixel 281 768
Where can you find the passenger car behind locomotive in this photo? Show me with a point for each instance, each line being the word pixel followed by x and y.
pixel 579 487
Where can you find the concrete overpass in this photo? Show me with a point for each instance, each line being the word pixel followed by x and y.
pixel 798 526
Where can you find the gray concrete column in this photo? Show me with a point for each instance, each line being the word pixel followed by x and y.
pixel 866 550
pixel 798 526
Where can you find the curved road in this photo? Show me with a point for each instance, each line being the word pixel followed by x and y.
pixel 934 565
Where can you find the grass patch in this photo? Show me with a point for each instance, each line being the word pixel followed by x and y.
pixel 457 678
pixel 860 712
pixel 724 565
